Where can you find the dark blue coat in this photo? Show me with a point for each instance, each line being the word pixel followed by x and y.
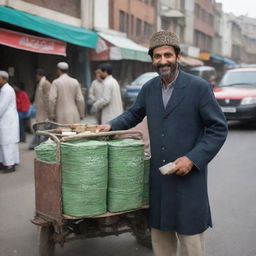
pixel 192 125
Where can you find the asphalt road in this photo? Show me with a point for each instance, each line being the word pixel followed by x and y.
pixel 232 191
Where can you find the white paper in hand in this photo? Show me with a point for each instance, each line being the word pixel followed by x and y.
pixel 167 168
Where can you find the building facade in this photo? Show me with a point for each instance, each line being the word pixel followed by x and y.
pixel 41 21
pixel 248 27
pixel 204 25
pixel 124 28
pixel 134 17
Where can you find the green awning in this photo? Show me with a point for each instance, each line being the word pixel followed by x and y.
pixel 125 49
pixel 71 34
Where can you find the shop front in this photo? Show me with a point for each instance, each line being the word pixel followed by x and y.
pixel 128 58
pixel 28 42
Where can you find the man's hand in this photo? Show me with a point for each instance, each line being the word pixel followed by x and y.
pixel 103 128
pixel 183 166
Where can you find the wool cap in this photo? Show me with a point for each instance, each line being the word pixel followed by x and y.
pixel 4 74
pixel 161 38
pixel 63 65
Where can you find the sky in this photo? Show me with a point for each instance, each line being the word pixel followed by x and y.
pixel 239 7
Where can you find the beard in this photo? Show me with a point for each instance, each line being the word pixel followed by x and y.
pixel 166 74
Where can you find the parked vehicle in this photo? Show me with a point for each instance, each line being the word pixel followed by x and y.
pixel 236 94
pixel 130 93
pixel 206 72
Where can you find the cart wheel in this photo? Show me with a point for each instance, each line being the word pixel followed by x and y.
pixel 46 243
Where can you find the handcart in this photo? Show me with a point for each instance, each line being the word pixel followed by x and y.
pixel 58 228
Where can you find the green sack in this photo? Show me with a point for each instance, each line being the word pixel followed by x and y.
pixel 84 177
pixel 46 152
pixel 126 174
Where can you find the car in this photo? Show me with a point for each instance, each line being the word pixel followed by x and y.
pixel 206 72
pixel 236 94
pixel 131 91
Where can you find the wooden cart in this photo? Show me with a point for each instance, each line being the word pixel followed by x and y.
pixel 56 227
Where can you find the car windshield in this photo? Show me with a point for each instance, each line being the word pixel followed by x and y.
pixel 239 78
pixel 143 79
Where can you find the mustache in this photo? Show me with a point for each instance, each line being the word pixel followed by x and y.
pixel 164 65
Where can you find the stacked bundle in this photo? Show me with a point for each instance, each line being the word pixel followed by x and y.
pixel 46 152
pixel 126 173
pixel 84 177
pixel 145 195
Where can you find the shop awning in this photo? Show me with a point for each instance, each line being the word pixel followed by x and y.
pixel 225 60
pixel 71 34
pixel 32 43
pixel 187 61
pixel 122 48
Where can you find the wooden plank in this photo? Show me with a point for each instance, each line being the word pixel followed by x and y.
pixel 106 214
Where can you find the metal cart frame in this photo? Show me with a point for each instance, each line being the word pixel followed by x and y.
pixel 56 227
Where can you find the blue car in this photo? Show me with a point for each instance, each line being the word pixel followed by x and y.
pixel 130 93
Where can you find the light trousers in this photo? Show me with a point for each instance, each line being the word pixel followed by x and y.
pixel 170 243
pixel 9 154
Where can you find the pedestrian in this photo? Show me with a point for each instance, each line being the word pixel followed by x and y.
pixel 41 102
pixel 23 105
pixel 186 127
pixel 95 93
pixel 9 126
pixel 66 99
pixel 110 104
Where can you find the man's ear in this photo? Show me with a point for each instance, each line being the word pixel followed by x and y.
pixel 179 56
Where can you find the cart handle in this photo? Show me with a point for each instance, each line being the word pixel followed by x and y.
pixel 55 139
pixel 34 126
pixel 50 135
pixel 99 134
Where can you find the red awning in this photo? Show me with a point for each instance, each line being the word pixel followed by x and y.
pixel 32 43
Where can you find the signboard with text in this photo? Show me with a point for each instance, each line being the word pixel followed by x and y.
pixel 32 43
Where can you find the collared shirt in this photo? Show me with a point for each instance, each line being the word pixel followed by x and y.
pixel 167 90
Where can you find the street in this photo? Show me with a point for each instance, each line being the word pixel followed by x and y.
pixel 232 193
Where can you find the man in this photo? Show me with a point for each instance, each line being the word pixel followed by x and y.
pixel 42 96
pixel 110 104
pixel 41 102
pixel 9 126
pixel 66 99
pixel 95 93
pixel 187 127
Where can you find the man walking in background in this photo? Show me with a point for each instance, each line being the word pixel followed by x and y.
pixel 187 128
pixel 110 104
pixel 41 102
pixel 66 99
pixel 95 93
pixel 9 126
pixel 42 96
